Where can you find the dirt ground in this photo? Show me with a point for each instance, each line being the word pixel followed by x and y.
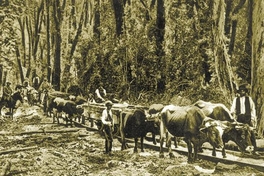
pixel 81 153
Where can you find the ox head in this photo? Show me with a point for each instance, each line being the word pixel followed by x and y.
pixel 79 110
pixel 155 118
pixel 241 134
pixel 213 131
pixel 152 121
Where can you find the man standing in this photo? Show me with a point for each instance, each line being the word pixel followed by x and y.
pixel 7 92
pixel 100 94
pixel 35 82
pixel 108 125
pixel 244 110
pixel 44 88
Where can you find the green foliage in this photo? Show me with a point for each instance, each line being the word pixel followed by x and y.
pixel 187 66
pixel 9 36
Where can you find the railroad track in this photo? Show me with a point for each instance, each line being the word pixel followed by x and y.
pixel 233 157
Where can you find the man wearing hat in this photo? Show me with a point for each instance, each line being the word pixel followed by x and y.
pixel 7 92
pixel 45 86
pixel 100 94
pixel 244 110
pixel 108 123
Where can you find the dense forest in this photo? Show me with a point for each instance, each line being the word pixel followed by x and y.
pixel 146 51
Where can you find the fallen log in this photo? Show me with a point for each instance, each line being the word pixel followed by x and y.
pixel 50 131
pixel 17 150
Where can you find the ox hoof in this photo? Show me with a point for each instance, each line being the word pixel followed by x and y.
pixel 196 161
pixel 189 161
pixel 161 155
pixel 171 155
pixel 200 150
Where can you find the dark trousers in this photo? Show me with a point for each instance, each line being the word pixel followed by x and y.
pixel 108 138
pixel 244 118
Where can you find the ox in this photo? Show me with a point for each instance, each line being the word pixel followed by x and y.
pixel 191 123
pixel 136 125
pixel 237 132
pixel 67 106
pixel 81 103
pixel 155 110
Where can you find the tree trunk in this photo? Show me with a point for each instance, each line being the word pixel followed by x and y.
pixel 29 32
pixel 97 33
pixel 1 76
pixel 222 60
pixel 48 39
pixel 37 30
pixel 160 24
pixel 229 5
pixel 97 20
pixel 19 64
pixel 119 12
pixel 257 70
pixel 23 42
pixel 66 75
pixel 58 18
pixel 248 43
pixel 232 38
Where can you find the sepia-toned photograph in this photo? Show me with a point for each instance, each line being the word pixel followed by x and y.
pixel 131 87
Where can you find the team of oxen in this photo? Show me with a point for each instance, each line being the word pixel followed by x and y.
pixel 197 123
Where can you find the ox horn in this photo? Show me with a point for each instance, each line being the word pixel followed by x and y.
pixel 202 128
pixel 146 113
pixel 238 127
pixel 251 128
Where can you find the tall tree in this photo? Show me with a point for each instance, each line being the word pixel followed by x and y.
pixel 48 69
pixel 222 64
pixel 160 24
pixel 248 44
pixel 258 61
pixel 234 24
pixel 33 21
pixel 58 18
pixel 119 12
pixel 74 41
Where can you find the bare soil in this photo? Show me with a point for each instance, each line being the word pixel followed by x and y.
pixel 81 153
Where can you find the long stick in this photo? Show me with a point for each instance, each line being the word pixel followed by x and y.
pixel 17 150
pixel 50 131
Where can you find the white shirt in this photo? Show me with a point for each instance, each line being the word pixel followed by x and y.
pixel 243 107
pixel 105 116
pixel 97 92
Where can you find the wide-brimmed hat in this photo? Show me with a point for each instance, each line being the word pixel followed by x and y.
pixel 108 103
pixel 243 87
